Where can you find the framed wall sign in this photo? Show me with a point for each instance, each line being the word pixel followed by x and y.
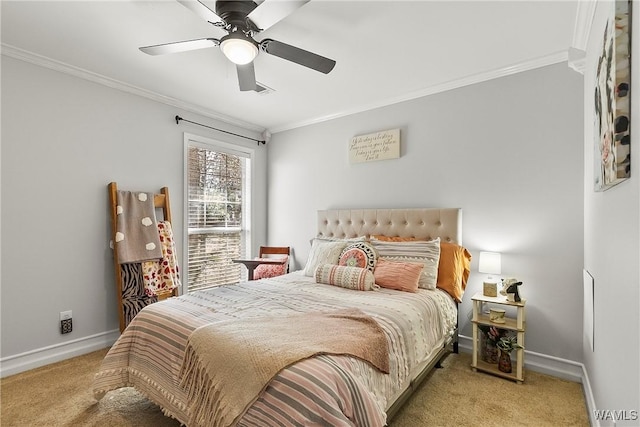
pixel 612 125
pixel 381 145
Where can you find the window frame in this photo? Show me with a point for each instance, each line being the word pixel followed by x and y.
pixel 247 202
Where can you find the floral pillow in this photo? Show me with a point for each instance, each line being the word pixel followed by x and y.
pixel 264 271
pixel 360 254
pixel 356 278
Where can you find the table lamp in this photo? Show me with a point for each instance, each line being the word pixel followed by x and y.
pixel 490 263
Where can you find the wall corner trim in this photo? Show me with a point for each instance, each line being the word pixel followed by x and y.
pixel 588 397
pixel 577 59
pixel 582 27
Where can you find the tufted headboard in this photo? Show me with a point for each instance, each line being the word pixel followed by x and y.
pixel 426 223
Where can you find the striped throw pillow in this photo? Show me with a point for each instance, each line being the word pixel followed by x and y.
pixel 356 278
pixel 426 253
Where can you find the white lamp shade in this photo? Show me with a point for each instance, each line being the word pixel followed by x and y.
pixel 490 263
pixel 239 50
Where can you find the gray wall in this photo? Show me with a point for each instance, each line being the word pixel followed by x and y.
pixel 612 252
pixel 507 151
pixel 63 140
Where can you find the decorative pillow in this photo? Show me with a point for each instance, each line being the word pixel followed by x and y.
pixel 454 269
pixel 340 239
pixel 402 276
pixel 360 254
pixel 426 253
pixel 356 278
pixel 323 252
pixel 264 271
pixel 395 238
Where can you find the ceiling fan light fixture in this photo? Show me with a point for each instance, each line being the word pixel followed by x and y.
pixel 238 48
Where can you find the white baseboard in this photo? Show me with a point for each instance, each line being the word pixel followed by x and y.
pixel 589 399
pixel 550 365
pixel 15 364
pixel 554 366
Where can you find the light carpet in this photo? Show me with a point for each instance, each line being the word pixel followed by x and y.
pixel 60 395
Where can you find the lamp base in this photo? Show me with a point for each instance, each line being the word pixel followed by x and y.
pixel 490 289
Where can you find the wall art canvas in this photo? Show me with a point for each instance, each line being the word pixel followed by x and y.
pixel 612 100
pixel 383 145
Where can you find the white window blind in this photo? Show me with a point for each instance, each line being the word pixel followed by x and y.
pixel 218 200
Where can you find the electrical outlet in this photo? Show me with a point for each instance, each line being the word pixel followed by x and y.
pixel 66 322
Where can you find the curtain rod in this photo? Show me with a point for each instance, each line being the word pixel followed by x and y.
pixel 178 118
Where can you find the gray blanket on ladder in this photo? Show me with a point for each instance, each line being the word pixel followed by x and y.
pixel 136 237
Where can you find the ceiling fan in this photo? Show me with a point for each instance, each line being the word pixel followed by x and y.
pixel 242 20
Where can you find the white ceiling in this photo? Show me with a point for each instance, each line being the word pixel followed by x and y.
pixel 386 51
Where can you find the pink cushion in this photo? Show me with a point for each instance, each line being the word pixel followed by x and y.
pixel 264 271
pixel 402 276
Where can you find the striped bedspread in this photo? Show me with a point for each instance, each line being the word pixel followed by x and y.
pixel 323 390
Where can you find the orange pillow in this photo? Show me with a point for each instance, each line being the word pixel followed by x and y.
pixel 402 276
pixel 453 269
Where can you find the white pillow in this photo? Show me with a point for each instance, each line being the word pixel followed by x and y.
pixel 340 239
pixel 323 252
pixel 420 252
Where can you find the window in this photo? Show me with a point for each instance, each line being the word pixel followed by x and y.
pixel 218 212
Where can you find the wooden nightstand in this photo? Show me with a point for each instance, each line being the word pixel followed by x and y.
pixel 516 324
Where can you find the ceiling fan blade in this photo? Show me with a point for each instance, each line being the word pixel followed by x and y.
pixel 247 77
pixel 271 11
pixel 201 10
pixel 184 46
pixel 297 55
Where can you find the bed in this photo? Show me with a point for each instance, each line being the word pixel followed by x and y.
pixel 329 388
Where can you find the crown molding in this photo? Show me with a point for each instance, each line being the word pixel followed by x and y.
pixel 577 60
pixel 443 87
pixel 582 28
pixel 43 61
pixel 23 55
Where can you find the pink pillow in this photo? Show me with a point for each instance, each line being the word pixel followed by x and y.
pixel 264 271
pixel 402 276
